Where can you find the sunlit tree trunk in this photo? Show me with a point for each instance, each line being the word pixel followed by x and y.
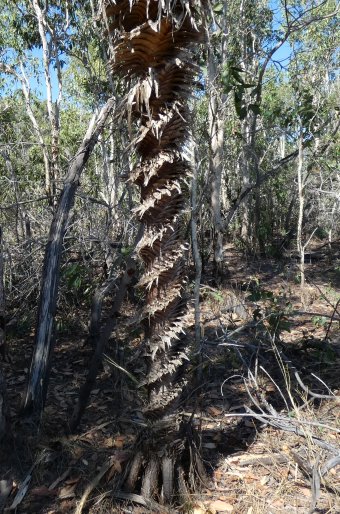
pixel 216 139
pixel 301 198
pixel 50 57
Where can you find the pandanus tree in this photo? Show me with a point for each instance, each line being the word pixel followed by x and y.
pixel 153 43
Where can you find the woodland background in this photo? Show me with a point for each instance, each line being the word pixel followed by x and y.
pixel 262 220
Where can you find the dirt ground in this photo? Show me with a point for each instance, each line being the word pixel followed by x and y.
pixel 267 406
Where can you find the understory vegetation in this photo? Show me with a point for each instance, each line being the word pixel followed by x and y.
pixel 169 257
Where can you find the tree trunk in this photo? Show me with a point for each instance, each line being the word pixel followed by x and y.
pixel 44 336
pixel 196 252
pixel 2 302
pixel 4 425
pixel 50 56
pixel 216 137
pixel 3 398
pixel 301 197
pixel 198 265
pixel 154 49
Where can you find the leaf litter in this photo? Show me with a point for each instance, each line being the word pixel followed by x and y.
pixel 256 467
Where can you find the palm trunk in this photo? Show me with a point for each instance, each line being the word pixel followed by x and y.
pixel 152 42
pixel 154 50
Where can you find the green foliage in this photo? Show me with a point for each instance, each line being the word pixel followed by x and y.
pixel 73 121
pixel 76 281
pixel 218 8
pixel 277 99
pixel 127 250
pixel 86 77
pixel 212 294
pixel 232 80
pixel 259 294
pixel 319 321
pixel 74 276
pixel 272 308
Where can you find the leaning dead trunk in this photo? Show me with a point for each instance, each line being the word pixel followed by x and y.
pixel 44 337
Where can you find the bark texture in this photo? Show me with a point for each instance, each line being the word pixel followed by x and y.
pixel 152 49
pixel 2 303
pixel 153 41
pixel 44 336
pixel 3 396
pixel 216 137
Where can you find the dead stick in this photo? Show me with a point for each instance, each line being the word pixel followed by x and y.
pixel 105 467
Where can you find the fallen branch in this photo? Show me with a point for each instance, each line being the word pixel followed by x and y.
pixel 265 461
pixel 309 392
pixel 286 425
pixel 302 313
pixel 315 485
pixel 22 491
pixel 330 464
pixel 270 419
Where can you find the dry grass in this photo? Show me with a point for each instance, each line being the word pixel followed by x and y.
pixel 255 467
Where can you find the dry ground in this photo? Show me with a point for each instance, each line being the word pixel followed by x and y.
pixel 270 444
